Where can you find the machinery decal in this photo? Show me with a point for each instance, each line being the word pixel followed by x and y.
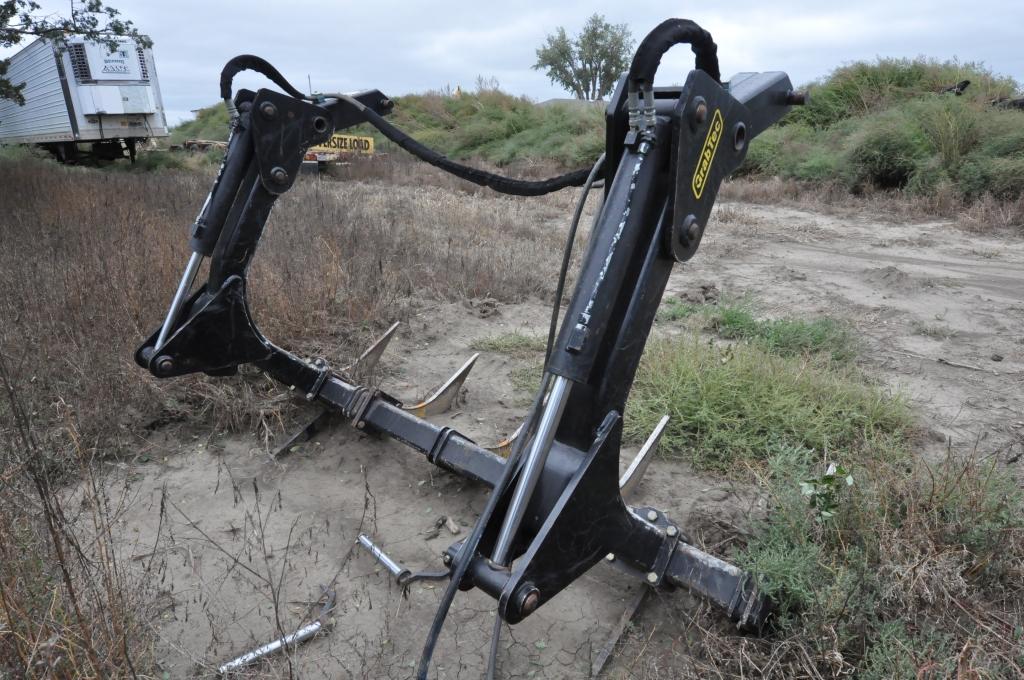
pixel 707 154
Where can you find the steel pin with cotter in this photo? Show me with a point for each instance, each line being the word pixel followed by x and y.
pixel 404 577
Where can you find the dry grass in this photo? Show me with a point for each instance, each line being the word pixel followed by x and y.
pixel 985 214
pixel 88 276
pixel 68 608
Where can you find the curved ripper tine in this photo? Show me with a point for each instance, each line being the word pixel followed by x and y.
pixel 442 400
pixel 311 429
pixel 635 472
pixel 504 447
pixel 367 361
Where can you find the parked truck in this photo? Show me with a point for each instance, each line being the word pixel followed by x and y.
pixel 83 99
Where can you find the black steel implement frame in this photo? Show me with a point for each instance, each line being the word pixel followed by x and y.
pixel 661 178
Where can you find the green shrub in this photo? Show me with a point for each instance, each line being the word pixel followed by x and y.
pixel 907 542
pixel 1002 133
pixel 951 127
pixel 787 337
pixel 210 123
pixel 1000 177
pixel 927 176
pixel 862 88
pixel 818 165
pixel 501 128
pixel 885 153
pixel 764 153
pixel 795 152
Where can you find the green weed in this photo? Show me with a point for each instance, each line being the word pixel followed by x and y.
pixel 788 337
pixel 515 344
pixel 731 406
pixel 905 544
pixel 674 309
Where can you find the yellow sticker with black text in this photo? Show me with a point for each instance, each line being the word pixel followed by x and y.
pixel 707 154
pixel 339 143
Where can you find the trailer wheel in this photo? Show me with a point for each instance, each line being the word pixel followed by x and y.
pixel 63 152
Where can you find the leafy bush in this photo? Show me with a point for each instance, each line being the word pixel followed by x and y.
pixel 862 88
pixel 884 154
pixel 882 124
pixel 905 542
pixel 950 126
pixel 487 124
pixel 887 125
pixel 1000 177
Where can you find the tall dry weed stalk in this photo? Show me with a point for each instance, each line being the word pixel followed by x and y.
pixel 68 609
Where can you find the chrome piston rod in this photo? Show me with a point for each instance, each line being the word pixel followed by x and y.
pixel 536 457
pixel 187 279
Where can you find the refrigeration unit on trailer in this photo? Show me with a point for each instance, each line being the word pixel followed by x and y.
pixel 82 98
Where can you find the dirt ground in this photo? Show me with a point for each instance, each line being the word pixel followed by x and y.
pixel 242 544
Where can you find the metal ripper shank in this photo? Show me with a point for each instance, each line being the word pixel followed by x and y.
pixel 558 500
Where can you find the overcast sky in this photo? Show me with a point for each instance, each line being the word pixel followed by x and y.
pixel 402 47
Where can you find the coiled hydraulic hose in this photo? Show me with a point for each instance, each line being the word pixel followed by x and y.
pixel 640 78
pixel 504 185
pixel 501 184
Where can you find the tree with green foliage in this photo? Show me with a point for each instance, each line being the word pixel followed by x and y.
pixel 20 19
pixel 589 64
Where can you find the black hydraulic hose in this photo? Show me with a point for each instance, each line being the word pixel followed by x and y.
pixel 249 62
pixel 563 271
pixel 665 35
pixel 468 551
pixel 466 557
pixel 505 185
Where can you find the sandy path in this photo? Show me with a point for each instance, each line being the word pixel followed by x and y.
pixel 917 294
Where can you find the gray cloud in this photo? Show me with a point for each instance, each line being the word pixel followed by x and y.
pixel 403 47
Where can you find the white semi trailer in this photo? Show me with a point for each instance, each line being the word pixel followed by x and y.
pixel 82 99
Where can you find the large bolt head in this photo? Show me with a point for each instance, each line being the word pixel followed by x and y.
pixel 531 602
pixel 528 598
pixel 652 515
pixel 279 175
pixel 693 231
pixel 690 230
pixel 164 365
pixel 652 578
pixel 700 114
pixel 268 110
pixel 671 531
